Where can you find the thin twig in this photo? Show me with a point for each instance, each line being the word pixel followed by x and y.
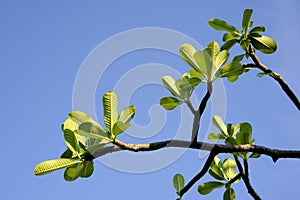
pixel 245 176
pixel 274 75
pixel 199 175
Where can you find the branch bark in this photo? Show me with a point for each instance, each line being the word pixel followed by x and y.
pixel 245 176
pixel 258 64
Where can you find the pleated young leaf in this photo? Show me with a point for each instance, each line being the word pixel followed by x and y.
pixel 48 166
pixel 178 182
pixel 80 117
pixel 206 188
pixel 127 114
pixel 169 103
pixel 214 49
pixel 110 106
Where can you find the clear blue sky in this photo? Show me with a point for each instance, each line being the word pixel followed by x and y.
pixel 43 45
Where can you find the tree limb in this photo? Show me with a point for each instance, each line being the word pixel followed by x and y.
pixel 274 75
pixel 275 154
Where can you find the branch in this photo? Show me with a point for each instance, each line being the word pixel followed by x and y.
pixel 245 177
pixel 274 75
pixel 199 175
pixel 275 154
pixel 199 112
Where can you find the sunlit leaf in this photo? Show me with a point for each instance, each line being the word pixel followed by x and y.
pixel 204 62
pixel 264 44
pixel 215 136
pixel 169 103
pixel 229 167
pixel 52 165
pixel 257 29
pixel 218 122
pixel 110 106
pixel 120 127
pixel 169 83
pixel 72 141
pixel 186 52
pixel 222 25
pixel 127 114
pixel 246 19
pixel 214 49
pixel 207 187
pixel 216 169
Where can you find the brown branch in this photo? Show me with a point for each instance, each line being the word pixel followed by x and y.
pixel 275 154
pixel 199 112
pixel 274 75
pixel 245 177
pixel 199 175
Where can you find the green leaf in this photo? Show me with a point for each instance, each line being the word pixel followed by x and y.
pixel 186 52
pixel 218 122
pixel 120 127
pixel 216 169
pixel 169 83
pixel 229 167
pixel 231 141
pixel 264 44
pixel 207 187
pixel 178 182
pixel 246 19
pixel 257 29
pixel 255 155
pixel 87 170
pixel 194 81
pixel 72 141
pixel 238 58
pixel 127 114
pixel 229 194
pixel 195 73
pixel 220 60
pixel 230 129
pixel 204 62
pixel 215 137
pixel 246 127
pixel 232 78
pixel 184 87
pixel 169 103
pixel 229 44
pixel 229 36
pixel 80 117
pixel 68 154
pixel 92 130
pixel 231 69
pixel 245 134
pixel 244 45
pixel 214 49
pixel 222 25
pixel 52 165
pixel 110 105
pixel 262 74
pixel 73 172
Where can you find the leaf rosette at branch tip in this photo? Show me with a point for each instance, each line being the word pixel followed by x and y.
pixel 84 136
pixel 232 36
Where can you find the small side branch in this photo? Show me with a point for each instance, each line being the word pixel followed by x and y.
pixel 245 177
pixel 274 75
pixel 199 175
